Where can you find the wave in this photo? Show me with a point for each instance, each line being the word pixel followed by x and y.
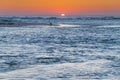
pixel 87 70
pixel 54 19
pixel 109 26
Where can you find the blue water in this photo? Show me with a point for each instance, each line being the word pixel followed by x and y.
pixel 78 49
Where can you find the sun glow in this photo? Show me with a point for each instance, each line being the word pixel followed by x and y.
pixel 62 15
pixel 59 7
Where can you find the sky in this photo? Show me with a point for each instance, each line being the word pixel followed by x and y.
pixel 57 7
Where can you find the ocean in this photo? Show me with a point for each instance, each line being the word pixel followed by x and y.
pixel 79 48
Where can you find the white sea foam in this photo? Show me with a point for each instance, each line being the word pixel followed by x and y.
pixel 109 26
pixel 57 71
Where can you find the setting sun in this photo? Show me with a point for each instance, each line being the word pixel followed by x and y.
pixel 63 15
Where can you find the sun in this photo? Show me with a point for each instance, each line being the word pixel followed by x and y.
pixel 62 15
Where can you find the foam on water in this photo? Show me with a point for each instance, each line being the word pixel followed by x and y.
pixel 90 69
pixel 110 26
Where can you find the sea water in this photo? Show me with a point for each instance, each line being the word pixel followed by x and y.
pixel 78 49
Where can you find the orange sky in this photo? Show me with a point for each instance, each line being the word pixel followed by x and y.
pixel 56 7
